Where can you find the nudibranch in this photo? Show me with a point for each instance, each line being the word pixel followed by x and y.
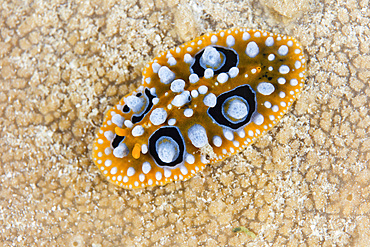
pixel 199 103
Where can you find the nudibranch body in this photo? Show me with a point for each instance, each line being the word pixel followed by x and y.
pixel 199 103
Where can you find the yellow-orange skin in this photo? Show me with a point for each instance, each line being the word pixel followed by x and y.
pixel 246 64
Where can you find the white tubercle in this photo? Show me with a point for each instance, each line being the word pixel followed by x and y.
pixel 177 86
pixel 166 75
pixel 181 99
pixel 211 57
pixel 198 135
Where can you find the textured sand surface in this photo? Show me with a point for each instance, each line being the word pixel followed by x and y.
pixel 62 65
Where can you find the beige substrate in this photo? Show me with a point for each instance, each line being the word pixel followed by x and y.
pixel 62 65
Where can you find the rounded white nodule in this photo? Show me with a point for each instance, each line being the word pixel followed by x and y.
pixel 134 103
pixel 210 100
pixel 177 86
pixel 265 88
pixel 158 116
pixel 237 109
pixel 252 49
pixel 166 75
pixel 211 57
pixel 198 135
pixel 121 151
pixel 167 149
pixel 217 141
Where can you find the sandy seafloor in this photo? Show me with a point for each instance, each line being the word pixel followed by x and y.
pixel 63 64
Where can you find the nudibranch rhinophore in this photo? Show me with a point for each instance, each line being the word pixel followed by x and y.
pixel 199 103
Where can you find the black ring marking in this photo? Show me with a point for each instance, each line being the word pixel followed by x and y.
pixel 175 134
pixel 117 140
pixel 216 112
pixel 231 59
pixel 137 118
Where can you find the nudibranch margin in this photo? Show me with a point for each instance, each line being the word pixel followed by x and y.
pixel 199 103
